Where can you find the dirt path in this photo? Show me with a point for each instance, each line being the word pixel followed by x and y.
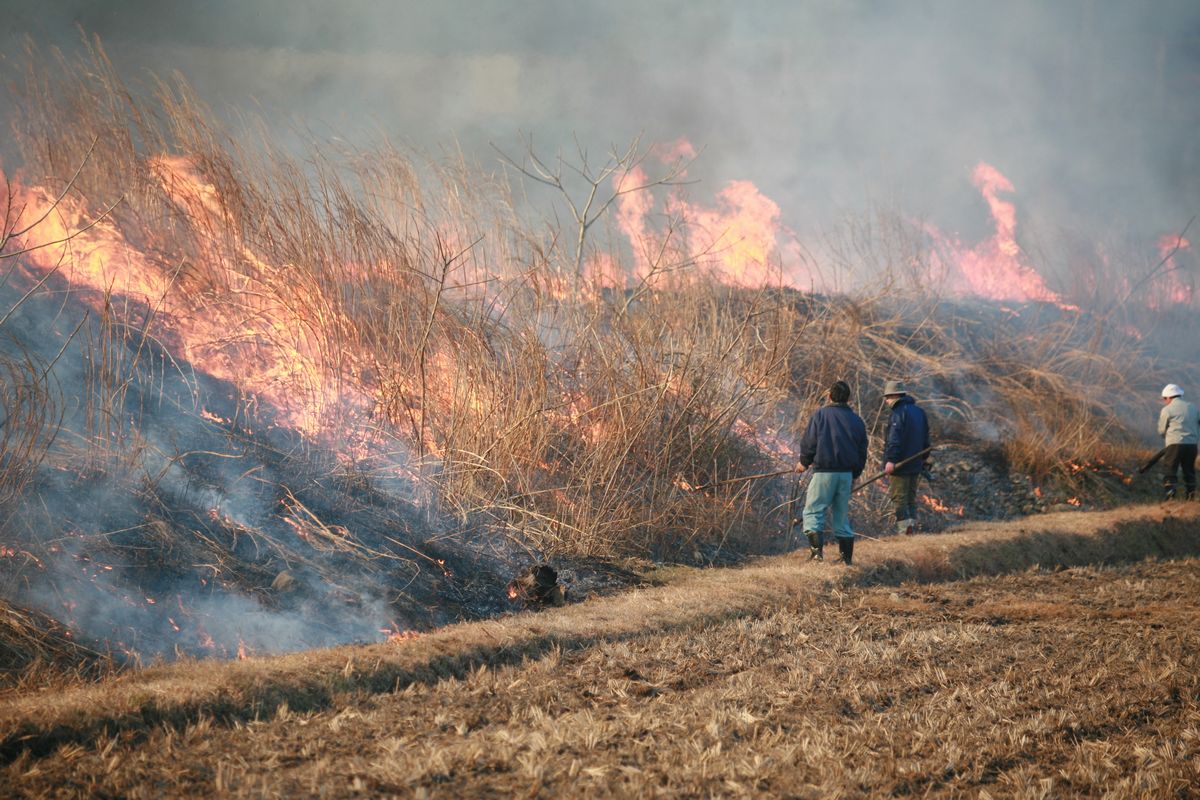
pixel 903 675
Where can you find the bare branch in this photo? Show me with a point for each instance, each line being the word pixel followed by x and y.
pixel 1154 273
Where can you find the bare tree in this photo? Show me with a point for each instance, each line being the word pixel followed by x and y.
pixel 581 184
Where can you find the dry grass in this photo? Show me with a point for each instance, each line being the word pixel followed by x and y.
pixel 409 325
pixel 418 311
pixel 781 678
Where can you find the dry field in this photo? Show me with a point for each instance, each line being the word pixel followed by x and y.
pixel 900 676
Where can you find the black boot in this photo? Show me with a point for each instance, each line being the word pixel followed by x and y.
pixel 847 547
pixel 816 548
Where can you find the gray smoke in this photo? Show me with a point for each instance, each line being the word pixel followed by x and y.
pixel 1088 106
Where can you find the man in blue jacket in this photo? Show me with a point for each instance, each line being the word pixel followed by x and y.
pixel 907 435
pixel 834 445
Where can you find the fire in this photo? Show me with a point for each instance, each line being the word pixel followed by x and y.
pixel 1074 501
pixel 394 633
pixel 223 313
pixel 211 417
pixel 680 482
pixel 937 505
pixel 738 239
pixel 994 268
pixel 1173 288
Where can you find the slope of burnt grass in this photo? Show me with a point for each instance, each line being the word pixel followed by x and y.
pixel 480 406
pixel 126 712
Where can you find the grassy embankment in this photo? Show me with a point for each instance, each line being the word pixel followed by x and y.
pixel 979 660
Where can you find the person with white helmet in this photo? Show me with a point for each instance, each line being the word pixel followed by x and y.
pixel 1179 425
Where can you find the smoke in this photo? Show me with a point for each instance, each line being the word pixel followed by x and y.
pixel 1088 107
pixel 154 532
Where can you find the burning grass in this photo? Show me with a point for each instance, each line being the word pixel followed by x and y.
pixel 383 379
pixel 773 679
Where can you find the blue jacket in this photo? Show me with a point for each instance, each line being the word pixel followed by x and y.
pixel 835 441
pixel 907 435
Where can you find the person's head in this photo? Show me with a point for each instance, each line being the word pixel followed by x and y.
pixel 893 391
pixel 1170 392
pixel 840 392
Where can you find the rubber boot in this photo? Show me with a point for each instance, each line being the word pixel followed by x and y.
pixel 816 548
pixel 846 545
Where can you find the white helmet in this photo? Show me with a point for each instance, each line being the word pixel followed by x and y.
pixel 1171 390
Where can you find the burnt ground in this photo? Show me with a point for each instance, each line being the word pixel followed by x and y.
pixel 1034 678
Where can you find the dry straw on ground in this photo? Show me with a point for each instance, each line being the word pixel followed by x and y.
pixel 1034 679
pixel 530 399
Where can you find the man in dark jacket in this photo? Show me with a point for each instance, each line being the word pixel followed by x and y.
pixel 834 445
pixel 907 435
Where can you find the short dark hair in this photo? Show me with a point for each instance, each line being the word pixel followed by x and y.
pixel 840 392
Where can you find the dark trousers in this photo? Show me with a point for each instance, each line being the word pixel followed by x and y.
pixel 902 491
pixel 1180 456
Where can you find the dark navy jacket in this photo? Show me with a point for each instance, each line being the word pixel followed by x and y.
pixel 835 441
pixel 907 435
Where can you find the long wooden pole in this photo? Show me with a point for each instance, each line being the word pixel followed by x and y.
pixel 1154 459
pixel 898 465
pixel 743 478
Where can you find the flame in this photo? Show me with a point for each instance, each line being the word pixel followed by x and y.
pixel 679 150
pixel 394 633
pixel 738 237
pixel 994 268
pixel 1173 288
pixel 937 505
pixel 740 240
pixel 682 483
pixel 211 417
pixel 1074 501
pixel 222 311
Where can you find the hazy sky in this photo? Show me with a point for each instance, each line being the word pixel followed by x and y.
pixel 1090 107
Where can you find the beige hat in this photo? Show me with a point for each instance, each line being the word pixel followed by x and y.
pixel 894 387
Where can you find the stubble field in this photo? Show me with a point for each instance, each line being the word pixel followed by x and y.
pixel 783 678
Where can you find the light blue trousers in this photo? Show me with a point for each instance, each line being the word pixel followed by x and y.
pixel 828 492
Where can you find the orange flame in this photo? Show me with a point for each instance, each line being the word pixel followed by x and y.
pixel 1173 288
pixel 396 634
pixel 738 239
pixel 995 267
pixel 223 313
pixel 937 505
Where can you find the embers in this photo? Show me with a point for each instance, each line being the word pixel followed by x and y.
pixel 537 587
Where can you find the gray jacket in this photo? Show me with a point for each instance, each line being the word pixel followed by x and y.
pixel 1179 423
